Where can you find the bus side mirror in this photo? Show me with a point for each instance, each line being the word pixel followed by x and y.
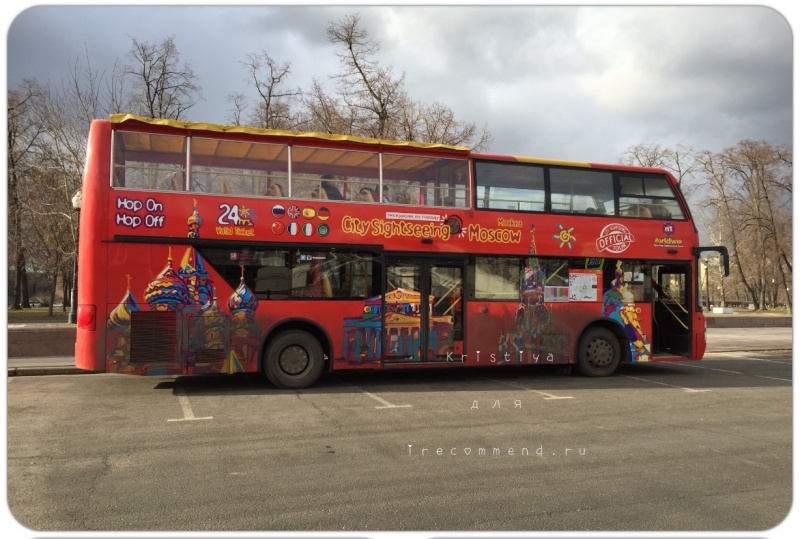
pixel 725 263
pixel 723 254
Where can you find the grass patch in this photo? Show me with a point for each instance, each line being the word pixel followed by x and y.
pixel 38 315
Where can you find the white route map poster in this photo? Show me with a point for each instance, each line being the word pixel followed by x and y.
pixel 583 286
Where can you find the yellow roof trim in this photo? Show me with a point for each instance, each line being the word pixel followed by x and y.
pixel 562 162
pixel 122 118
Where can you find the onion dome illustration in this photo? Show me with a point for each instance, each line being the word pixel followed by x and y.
pixel 214 320
pixel 194 274
pixel 167 291
pixel 194 222
pixel 214 315
pixel 120 317
pixel 242 298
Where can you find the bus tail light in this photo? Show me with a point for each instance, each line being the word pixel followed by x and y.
pixel 87 315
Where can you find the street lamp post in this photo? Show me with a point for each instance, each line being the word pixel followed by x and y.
pixel 72 317
pixel 708 296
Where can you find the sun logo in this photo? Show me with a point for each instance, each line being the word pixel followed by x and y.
pixel 565 236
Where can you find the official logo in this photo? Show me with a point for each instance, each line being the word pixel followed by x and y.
pixel 614 238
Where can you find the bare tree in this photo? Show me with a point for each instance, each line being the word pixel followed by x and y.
pixel 48 132
pixel 750 200
pixel 238 104
pixel 51 229
pixel 645 155
pixel 680 161
pixel 370 100
pixel 24 134
pixel 371 90
pixel 324 114
pixel 437 123
pixel 275 104
pixel 375 102
pixel 160 87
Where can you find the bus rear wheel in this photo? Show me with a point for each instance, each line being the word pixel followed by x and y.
pixel 293 360
pixel 598 353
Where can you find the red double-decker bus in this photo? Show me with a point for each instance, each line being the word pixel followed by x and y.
pixel 224 249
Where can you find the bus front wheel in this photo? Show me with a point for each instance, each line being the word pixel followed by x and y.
pixel 598 353
pixel 293 360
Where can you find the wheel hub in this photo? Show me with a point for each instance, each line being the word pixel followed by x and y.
pixel 600 352
pixel 293 360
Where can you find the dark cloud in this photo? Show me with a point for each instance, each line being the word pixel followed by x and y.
pixel 580 83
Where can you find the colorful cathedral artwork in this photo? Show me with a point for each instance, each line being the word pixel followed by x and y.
pixel 535 337
pixel 207 338
pixel 619 305
pixel 399 312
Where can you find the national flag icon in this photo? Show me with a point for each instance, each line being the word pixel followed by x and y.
pixel 323 230
pixel 278 228
pixel 309 213
pixel 308 229
pixel 293 212
pixel 278 211
pixel 293 229
pixel 323 213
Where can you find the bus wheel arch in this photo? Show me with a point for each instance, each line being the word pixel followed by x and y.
pixel 601 348
pixel 294 354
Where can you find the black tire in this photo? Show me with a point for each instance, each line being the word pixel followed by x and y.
pixel 598 353
pixel 293 360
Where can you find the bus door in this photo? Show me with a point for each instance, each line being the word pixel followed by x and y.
pixel 671 309
pixel 422 311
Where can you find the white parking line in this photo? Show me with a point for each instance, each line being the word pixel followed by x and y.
pixel 687 389
pixel 386 404
pixel 188 415
pixel 735 356
pixel 771 378
pixel 547 396
pixel 706 368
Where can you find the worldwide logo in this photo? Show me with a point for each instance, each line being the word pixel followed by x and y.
pixel 668 228
pixel 614 238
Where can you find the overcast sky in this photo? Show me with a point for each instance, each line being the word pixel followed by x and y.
pixel 582 83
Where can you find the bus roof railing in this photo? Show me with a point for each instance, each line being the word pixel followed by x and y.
pixel 246 130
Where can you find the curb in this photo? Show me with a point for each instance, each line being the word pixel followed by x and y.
pixel 45 371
